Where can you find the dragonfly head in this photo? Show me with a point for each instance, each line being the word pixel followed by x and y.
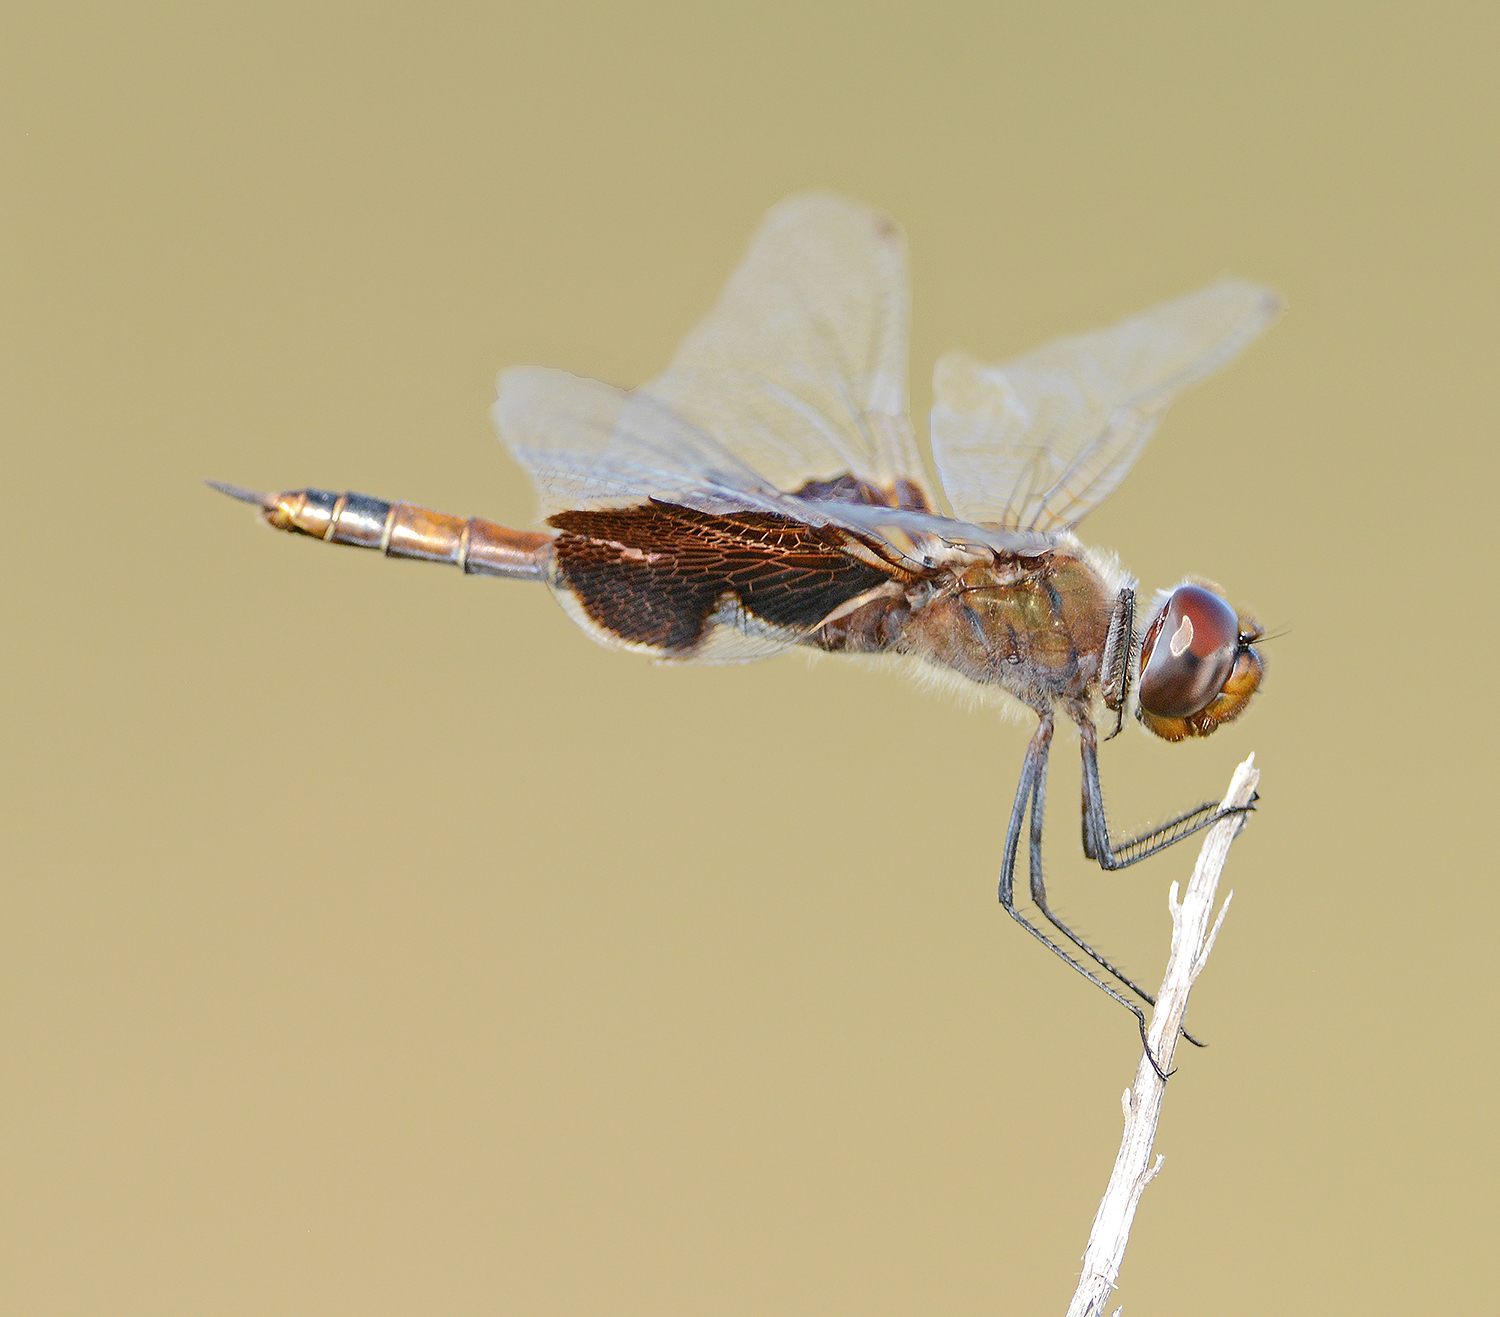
pixel 1199 665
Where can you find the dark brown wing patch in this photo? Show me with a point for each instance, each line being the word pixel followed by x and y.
pixel 659 574
pixel 851 489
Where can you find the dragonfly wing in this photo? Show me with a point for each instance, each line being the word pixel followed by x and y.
pixel 591 445
pixel 691 586
pixel 1036 443
pixel 800 369
pixel 668 543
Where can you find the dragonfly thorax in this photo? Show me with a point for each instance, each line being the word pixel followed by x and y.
pixel 1036 627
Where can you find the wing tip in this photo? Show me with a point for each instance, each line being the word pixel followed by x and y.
pixel 1265 304
pixel 801 207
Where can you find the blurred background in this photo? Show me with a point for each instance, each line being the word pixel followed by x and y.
pixel 374 943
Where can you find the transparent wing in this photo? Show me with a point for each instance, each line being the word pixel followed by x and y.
pixel 588 445
pixel 800 369
pixel 1036 443
pixel 591 445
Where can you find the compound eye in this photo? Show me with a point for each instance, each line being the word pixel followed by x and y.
pixel 1188 653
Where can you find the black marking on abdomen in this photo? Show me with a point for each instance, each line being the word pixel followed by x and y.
pixel 656 574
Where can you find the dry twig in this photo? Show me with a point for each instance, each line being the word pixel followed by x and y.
pixel 1192 939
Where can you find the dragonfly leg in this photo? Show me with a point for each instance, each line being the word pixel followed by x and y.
pixel 1119 651
pixel 1097 843
pixel 1039 899
pixel 1033 776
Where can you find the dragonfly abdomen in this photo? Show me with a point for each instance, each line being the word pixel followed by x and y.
pixel 404 530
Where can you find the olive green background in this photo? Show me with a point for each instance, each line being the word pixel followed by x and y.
pixel 373 943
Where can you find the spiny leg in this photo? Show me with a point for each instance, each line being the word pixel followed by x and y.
pixel 1039 898
pixel 1033 769
pixel 1119 648
pixel 1111 855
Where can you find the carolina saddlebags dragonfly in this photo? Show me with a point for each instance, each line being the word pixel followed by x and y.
pixel 767 491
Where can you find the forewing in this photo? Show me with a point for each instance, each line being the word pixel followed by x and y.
pixel 800 369
pixel 797 375
pixel 1036 443
pixel 590 445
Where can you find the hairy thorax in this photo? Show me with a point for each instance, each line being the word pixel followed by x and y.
pixel 1034 626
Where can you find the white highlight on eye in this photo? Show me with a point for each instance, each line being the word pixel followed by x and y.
pixel 1182 637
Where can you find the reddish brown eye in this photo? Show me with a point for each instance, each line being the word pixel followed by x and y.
pixel 1188 653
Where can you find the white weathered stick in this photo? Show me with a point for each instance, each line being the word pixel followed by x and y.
pixel 1192 940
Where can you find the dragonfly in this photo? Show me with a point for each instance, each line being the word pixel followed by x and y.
pixel 767 491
